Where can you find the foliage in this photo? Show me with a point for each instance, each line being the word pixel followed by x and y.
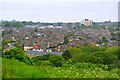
pixel 115 36
pixel 115 50
pixel 74 52
pixel 106 57
pixel 36 29
pixel 104 40
pixel 6 32
pixel 42 57
pixel 18 54
pixel 57 60
pixel 92 54
pixel 15 69
pixel 80 63
pixel 83 57
pixel 7 41
pixel 16 44
pixel 90 49
pixel 46 63
pixel 66 40
pixel 102 48
pixel 110 59
pixel 11 24
pixel 66 55
pixel 42 63
pixel 85 65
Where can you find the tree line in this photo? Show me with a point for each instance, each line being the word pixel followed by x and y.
pixel 80 54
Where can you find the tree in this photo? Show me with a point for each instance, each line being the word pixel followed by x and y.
pixel 66 55
pixel 36 29
pixel 115 50
pixel 74 52
pixel 57 60
pixel 104 40
pixel 11 24
pixel 7 24
pixel 16 44
pixel 7 41
pixel 106 57
pixel 85 57
pixel 66 40
pixel 90 49
pixel 18 54
pixel 110 59
pixel 82 25
pixel 42 57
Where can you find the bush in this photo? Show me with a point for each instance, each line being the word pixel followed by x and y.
pixel 110 59
pixel 86 57
pixel 42 57
pixel 85 65
pixel 45 57
pixel 111 66
pixel 115 50
pixel 73 52
pixel 42 63
pixel 37 63
pixel 57 60
pixel 102 66
pixel 107 58
pixel 90 49
pixel 66 55
pixel 46 63
pixel 68 63
pixel 36 58
pixel 18 54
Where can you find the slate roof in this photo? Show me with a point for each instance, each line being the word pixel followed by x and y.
pixel 42 52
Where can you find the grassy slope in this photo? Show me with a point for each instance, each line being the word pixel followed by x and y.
pixel 16 69
pixel 0 67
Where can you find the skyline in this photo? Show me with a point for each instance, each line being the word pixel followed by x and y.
pixel 59 11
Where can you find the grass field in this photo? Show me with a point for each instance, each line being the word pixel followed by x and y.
pixel 15 69
pixel 0 67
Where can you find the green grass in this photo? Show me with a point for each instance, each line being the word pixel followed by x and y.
pixel 0 67
pixel 15 69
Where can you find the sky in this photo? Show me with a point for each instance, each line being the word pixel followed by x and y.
pixel 59 10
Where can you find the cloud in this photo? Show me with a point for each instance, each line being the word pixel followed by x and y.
pixel 55 11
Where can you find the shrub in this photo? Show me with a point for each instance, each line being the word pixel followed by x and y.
pixel 66 55
pixel 74 52
pixel 111 66
pixel 36 58
pixel 86 57
pixel 114 50
pixel 42 63
pixel 46 63
pixel 57 60
pixel 85 65
pixel 45 57
pixel 68 63
pixel 107 58
pixel 90 49
pixel 42 57
pixel 37 63
pixel 110 59
pixel 18 54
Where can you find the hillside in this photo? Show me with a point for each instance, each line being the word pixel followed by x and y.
pixel 15 69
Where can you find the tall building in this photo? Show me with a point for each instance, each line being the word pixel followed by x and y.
pixel 87 22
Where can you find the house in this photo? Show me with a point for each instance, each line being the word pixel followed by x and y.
pixel 36 46
pixel 27 48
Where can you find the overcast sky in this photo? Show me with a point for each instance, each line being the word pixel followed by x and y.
pixel 59 10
